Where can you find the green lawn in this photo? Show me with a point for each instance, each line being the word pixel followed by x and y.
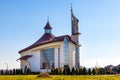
pixel 59 77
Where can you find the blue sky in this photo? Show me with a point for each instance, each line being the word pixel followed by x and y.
pixel 22 22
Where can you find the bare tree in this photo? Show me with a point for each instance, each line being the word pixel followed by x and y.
pixel 47 62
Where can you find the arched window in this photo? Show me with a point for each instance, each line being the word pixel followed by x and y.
pixel 66 51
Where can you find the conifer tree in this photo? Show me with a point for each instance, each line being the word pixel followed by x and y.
pixel 73 71
pixel 77 71
pixel 93 71
pixel 89 71
pixel 119 70
pixel 60 71
pixel 84 71
pixel 68 71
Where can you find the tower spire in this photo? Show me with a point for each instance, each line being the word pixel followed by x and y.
pixel 71 7
pixel 71 11
pixel 47 18
pixel 74 23
pixel 47 27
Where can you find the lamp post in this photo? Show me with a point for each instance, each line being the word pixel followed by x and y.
pixel 6 66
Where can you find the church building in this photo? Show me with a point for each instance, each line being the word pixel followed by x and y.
pixel 51 51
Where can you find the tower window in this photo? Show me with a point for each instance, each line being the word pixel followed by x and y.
pixel 47 30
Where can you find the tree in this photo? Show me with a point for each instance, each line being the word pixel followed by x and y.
pixel 68 70
pixel 73 71
pixel 101 71
pixel 80 71
pixel 21 71
pixel 14 71
pixel 52 71
pixel 56 71
pixel 104 71
pixel 109 71
pixel 119 70
pixel 10 72
pixel 6 72
pixel 93 71
pixel 60 71
pixel 64 71
pixel 77 71
pixel 96 70
pixel 84 71
pixel 1 72
pixel 18 71
pixel 89 71
pixel 28 71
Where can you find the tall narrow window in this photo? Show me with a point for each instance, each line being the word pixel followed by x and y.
pixel 77 57
pixel 66 53
pixel 47 58
pixel 58 57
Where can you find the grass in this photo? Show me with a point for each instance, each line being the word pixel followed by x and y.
pixel 60 77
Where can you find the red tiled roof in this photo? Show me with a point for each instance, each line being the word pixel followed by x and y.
pixel 25 57
pixel 47 38
pixel 44 38
pixel 47 26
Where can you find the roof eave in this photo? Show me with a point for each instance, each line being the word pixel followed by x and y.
pixel 28 48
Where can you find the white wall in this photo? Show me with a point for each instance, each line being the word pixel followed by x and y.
pixel 71 55
pixel 61 55
pixel 56 57
pixel 35 61
pixel 25 62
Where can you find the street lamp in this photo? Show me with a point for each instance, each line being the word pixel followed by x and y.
pixel 6 66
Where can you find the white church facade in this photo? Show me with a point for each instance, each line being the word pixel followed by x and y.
pixel 53 51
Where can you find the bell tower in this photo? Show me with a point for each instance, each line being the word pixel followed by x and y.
pixel 47 28
pixel 75 37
